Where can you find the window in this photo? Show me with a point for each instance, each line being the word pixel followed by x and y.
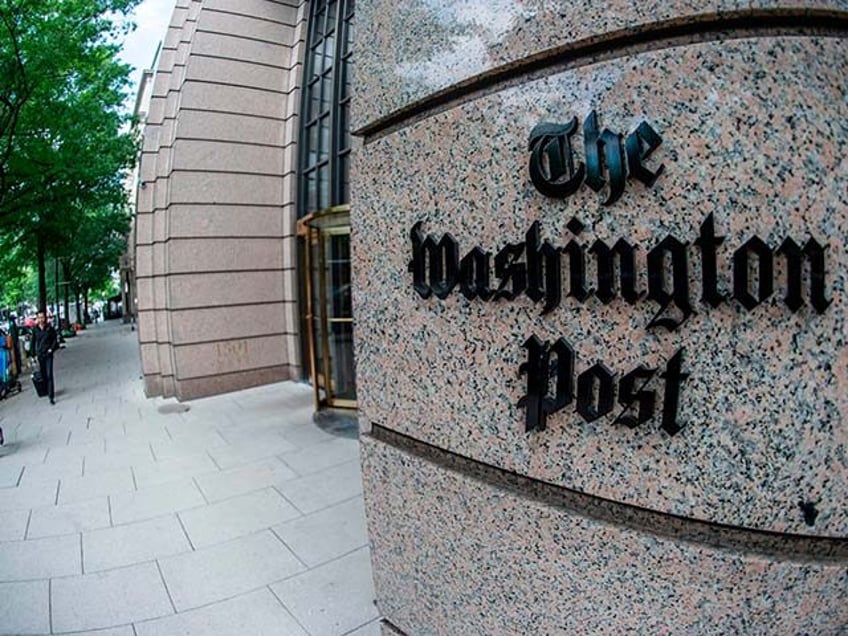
pixel 325 134
pixel 324 192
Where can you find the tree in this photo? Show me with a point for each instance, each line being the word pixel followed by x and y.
pixel 18 279
pixel 91 252
pixel 65 143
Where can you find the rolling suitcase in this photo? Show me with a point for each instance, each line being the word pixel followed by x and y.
pixel 40 384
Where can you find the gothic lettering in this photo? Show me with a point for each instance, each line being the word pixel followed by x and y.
pixel 678 297
pixel 512 273
pixel 630 396
pixel 552 160
pixel 595 392
pixel 533 268
pixel 610 158
pixel 605 259
pixel 814 253
pixel 552 366
pixel 474 275
pixel 639 146
pixel 542 361
pixel 604 150
pixel 742 269
pixel 544 270
pixel 708 242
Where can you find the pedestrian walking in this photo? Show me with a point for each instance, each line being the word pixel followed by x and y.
pixel 45 341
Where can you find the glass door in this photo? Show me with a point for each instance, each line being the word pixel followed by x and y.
pixel 329 310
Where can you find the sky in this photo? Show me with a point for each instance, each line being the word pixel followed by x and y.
pixel 151 18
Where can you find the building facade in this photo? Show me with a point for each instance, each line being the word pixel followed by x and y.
pixel 599 289
pixel 595 258
pixel 222 301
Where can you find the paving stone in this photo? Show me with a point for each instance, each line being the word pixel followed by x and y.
pixel 306 433
pixel 326 534
pixel 317 457
pixel 187 443
pixel 18 453
pixel 112 427
pixel 40 559
pixel 27 496
pixel 229 569
pixel 49 521
pixel 10 473
pixel 105 599
pixel 67 468
pixel 105 427
pixel 55 435
pixel 323 489
pixel 126 630
pixel 166 470
pixel 65 455
pixel 84 442
pixel 155 501
pixel 333 598
pixel 98 485
pixel 258 614
pixel 60 454
pixel 25 608
pixel 13 525
pixel 236 517
pixel 369 629
pixel 104 463
pixel 133 543
pixel 135 432
pixel 238 481
pixel 249 450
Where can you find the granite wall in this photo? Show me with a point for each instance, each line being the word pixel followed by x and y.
pixel 512 483
pixel 215 247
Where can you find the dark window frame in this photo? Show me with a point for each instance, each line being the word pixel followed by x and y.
pixel 328 162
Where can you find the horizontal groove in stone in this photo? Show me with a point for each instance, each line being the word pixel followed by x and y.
pixel 223 374
pixel 239 60
pixel 246 87
pixel 261 303
pixel 194 343
pixel 251 16
pixel 788 547
pixel 184 109
pixel 620 43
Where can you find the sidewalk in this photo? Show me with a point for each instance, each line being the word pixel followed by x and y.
pixel 236 516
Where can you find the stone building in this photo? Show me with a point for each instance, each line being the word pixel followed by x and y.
pixel 220 302
pixel 595 255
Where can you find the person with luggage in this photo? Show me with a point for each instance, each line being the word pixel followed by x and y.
pixel 45 341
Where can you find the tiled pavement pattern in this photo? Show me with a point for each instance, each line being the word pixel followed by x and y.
pixel 126 516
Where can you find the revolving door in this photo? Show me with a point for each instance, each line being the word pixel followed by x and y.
pixel 328 318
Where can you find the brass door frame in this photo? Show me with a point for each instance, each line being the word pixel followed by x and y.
pixel 315 229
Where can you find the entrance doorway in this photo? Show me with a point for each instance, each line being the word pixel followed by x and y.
pixel 325 245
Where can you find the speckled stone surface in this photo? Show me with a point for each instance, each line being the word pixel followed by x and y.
pixel 468 558
pixel 407 51
pixel 754 132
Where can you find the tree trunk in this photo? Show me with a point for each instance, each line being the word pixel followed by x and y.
pixel 80 319
pixel 67 293
pixel 42 276
pixel 85 311
pixel 58 320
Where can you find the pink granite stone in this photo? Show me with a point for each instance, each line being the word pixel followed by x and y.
pixel 417 49
pixel 455 554
pixel 754 133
